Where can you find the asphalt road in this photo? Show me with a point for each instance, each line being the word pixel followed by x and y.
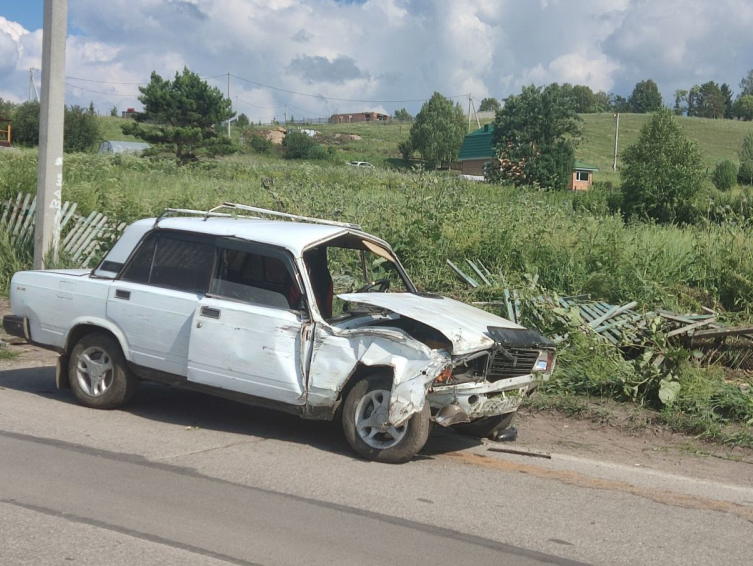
pixel 182 478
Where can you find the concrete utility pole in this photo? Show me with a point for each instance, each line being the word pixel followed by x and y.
pixel 51 117
pixel 616 139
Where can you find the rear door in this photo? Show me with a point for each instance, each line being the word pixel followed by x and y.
pixel 155 298
pixel 251 333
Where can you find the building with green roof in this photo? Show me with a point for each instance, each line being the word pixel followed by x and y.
pixel 477 152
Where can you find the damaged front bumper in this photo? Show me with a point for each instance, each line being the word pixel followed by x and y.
pixel 483 399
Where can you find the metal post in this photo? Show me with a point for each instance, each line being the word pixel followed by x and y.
pixel 616 139
pixel 469 112
pixel 231 102
pixel 51 118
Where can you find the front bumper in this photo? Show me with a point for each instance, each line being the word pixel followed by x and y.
pixel 16 326
pixel 484 399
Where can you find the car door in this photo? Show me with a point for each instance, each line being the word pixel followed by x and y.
pixel 154 299
pixel 250 334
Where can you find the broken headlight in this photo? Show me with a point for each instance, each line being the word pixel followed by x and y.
pixel 545 362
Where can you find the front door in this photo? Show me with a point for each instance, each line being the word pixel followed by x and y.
pixel 249 333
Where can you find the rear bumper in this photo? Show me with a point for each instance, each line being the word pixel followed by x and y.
pixel 16 326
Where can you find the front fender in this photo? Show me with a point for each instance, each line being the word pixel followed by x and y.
pixel 339 352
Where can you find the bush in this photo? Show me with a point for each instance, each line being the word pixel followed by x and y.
pixel 260 145
pixel 299 145
pixel 746 160
pixel 82 129
pixel 725 175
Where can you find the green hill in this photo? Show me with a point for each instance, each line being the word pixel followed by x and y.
pixel 717 139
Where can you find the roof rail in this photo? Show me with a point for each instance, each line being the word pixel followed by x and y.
pixel 234 206
pixel 297 217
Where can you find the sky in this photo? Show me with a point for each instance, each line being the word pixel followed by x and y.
pixel 327 56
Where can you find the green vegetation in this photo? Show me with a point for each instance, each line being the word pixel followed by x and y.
pixel 661 174
pixel 437 132
pixel 299 145
pixel 182 115
pixel 82 129
pixel 746 160
pixel 645 97
pixel 531 138
pixel 575 243
pixel 725 175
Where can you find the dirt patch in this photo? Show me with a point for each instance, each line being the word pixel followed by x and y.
pixel 275 136
pixel 347 137
pixel 622 440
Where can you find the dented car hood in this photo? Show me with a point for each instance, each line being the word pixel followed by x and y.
pixel 465 326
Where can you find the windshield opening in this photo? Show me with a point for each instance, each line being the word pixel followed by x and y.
pixel 351 264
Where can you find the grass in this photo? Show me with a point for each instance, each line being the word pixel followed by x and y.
pixel 6 355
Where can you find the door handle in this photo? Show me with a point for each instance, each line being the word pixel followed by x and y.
pixel 209 312
pixel 121 294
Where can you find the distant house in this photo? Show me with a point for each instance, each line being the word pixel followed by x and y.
pixel 112 146
pixel 5 132
pixel 359 117
pixel 583 177
pixel 128 113
pixel 476 151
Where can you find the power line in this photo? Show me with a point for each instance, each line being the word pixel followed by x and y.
pixel 321 96
pixel 101 92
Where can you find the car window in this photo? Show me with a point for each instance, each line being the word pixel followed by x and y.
pixel 255 277
pixel 171 260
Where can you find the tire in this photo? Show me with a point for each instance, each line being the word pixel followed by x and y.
pixel 370 394
pixel 98 372
pixel 484 428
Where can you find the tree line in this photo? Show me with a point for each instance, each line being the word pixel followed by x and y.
pixel 711 100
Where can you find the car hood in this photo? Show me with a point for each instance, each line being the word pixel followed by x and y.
pixel 465 326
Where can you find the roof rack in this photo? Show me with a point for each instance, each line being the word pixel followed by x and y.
pixel 234 206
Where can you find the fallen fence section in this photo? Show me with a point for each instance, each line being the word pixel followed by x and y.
pixel 615 323
pixel 81 237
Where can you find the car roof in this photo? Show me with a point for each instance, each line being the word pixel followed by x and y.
pixel 294 236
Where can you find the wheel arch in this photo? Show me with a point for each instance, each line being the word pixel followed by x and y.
pixel 77 331
pixel 362 370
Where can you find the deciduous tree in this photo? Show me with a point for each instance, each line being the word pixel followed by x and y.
pixel 489 105
pixel 532 138
pixel 438 130
pixel 744 107
pixel 645 97
pixel 82 131
pixel 661 172
pixel 182 114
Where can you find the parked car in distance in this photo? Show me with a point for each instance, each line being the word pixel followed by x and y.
pixel 308 316
pixel 360 164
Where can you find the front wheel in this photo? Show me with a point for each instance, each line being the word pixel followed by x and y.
pixel 365 419
pixel 98 372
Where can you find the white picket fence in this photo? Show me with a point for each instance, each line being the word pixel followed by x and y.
pixel 82 237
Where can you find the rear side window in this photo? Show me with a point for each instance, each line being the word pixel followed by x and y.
pixel 255 277
pixel 173 261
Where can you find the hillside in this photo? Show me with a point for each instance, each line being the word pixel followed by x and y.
pixel 717 139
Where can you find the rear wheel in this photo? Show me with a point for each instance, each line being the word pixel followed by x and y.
pixel 365 422
pixel 484 428
pixel 98 372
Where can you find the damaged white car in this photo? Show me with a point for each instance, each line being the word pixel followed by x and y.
pixel 308 316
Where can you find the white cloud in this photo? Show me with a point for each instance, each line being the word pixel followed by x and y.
pixel 388 49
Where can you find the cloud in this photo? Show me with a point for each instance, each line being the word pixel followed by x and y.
pixel 302 36
pixel 321 69
pixel 387 50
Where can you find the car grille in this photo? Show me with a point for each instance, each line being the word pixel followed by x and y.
pixel 502 367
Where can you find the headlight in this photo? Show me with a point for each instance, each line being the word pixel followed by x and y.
pixel 544 362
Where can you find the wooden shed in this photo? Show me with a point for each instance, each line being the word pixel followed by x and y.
pixel 5 132
pixel 583 177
